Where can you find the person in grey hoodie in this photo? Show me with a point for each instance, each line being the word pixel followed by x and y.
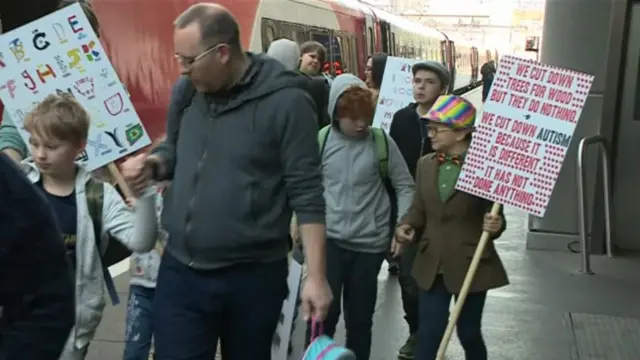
pixel 358 214
pixel 288 53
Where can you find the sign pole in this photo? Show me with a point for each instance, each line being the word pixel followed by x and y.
pixel 468 280
pixel 115 172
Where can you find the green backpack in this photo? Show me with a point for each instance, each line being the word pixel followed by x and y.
pixel 379 138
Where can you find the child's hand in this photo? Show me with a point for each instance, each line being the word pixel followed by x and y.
pixel 396 248
pixel 404 234
pixel 492 223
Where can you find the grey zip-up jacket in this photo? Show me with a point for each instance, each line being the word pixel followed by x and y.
pixel 240 164
pixel 358 205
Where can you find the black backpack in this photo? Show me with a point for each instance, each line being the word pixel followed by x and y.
pixel 115 251
pixel 318 89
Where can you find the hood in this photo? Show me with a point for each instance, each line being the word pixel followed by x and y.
pixel 32 172
pixel 265 76
pixel 340 84
pixel 285 51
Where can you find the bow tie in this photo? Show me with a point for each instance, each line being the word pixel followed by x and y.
pixel 442 158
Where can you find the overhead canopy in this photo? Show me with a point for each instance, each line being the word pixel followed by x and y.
pixel 15 13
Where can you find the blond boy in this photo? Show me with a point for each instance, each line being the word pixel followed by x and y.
pixel 58 129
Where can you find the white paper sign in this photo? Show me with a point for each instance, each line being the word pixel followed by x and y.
pixel 396 90
pixel 61 53
pixel 523 133
pixel 282 336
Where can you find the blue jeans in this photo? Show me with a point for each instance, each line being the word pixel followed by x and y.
pixel 239 305
pixel 139 331
pixel 434 316
pixel 353 278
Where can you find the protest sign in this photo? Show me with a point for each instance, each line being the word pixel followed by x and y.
pixel 396 90
pixel 282 336
pixel 523 133
pixel 61 53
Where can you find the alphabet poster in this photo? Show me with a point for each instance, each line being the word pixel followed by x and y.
pixel 523 133
pixel 61 53
pixel 396 90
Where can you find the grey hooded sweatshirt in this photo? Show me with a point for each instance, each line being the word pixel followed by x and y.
pixel 285 51
pixel 358 206
pixel 240 163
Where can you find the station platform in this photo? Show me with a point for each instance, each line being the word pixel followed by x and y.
pixel 548 312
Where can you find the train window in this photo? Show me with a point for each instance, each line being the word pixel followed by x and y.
pixel 268 33
pixel 371 48
pixel 353 50
pixel 339 58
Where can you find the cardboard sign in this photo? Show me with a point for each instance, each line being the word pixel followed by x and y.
pixel 396 90
pixel 282 336
pixel 523 133
pixel 61 53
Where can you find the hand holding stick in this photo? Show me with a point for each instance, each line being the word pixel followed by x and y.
pixel 468 280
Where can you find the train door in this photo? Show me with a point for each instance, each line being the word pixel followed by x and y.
pixel 626 176
pixel 370 24
pixel 449 50
pixel 385 37
pixel 475 58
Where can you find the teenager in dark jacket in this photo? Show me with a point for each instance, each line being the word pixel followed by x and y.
pixel 430 80
pixel 37 308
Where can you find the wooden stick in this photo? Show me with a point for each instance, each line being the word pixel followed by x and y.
pixel 468 280
pixel 115 172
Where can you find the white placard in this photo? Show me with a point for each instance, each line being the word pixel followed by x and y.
pixel 282 336
pixel 396 90
pixel 60 52
pixel 523 133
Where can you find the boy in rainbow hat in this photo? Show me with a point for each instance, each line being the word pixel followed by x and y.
pixel 450 223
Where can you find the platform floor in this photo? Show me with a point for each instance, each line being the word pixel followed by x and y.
pixel 549 312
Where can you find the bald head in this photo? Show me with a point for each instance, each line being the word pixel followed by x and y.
pixel 215 22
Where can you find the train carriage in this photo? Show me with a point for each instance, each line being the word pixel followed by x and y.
pixel 138 36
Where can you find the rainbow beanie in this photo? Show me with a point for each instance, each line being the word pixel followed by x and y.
pixel 453 111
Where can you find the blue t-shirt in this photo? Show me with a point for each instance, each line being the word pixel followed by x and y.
pixel 66 211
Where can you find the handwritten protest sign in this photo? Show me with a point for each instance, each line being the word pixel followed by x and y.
pixel 61 53
pixel 396 90
pixel 522 137
pixel 282 336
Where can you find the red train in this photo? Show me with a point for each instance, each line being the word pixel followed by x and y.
pixel 138 36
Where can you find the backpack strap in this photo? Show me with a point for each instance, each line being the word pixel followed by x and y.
pixel 382 151
pixel 323 136
pixel 94 193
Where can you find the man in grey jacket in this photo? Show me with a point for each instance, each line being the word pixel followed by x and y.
pixel 242 156
pixel 358 207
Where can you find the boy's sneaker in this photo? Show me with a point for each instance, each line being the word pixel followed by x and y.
pixel 407 350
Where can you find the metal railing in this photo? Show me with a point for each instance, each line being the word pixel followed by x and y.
pixel 585 253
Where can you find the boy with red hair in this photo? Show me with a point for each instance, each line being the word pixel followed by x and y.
pixel 358 211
